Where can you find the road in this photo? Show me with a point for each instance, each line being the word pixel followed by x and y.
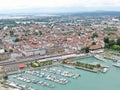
pixel 46 58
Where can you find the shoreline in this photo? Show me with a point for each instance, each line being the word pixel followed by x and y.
pixel 17 72
pixel 73 58
pixel 86 69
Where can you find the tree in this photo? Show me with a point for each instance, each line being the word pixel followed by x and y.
pixel 107 45
pixel 35 33
pixel 118 41
pixel 111 33
pixel 79 33
pixel 111 43
pixel 11 50
pixel 17 40
pixel 6 50
pixel 11 33
pixel 93 43
pixel 94 35
pixel 98 65
pixel 85 50
pixel 33 65
pixel 106 39
pixel 40 33
pixel 116 47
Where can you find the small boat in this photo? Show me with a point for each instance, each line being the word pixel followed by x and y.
pixel 30 88
pixel 40 82
pixel 105 70
pixel 116 65
pixel 100 58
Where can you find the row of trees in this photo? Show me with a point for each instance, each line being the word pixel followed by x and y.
pixel 88 66
pixel 39 64
pixel 85 50
pixel 112 44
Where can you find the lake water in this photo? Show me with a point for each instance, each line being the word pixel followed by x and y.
pixel 87 81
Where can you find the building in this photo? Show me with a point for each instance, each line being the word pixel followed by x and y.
pixel 21 66
pixel 1 69
pixel 4 56
pixel 95 47
pixel 2 50
pixel 34 52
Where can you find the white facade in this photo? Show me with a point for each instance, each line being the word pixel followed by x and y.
pixel 2 50
pixel 34 52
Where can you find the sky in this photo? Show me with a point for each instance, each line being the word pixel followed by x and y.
pixel 58 5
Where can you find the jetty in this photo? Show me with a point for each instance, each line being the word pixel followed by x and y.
pixel 100 58
pixel 95 71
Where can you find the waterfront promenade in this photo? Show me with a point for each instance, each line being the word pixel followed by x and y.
pixel 100 81
pixel 44 58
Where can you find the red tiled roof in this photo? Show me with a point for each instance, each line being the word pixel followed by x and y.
pixel 21 65
pixel 95 47
pixel 68 61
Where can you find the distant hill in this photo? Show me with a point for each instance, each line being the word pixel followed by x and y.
pixel 97 13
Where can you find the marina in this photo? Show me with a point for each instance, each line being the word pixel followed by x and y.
pixel 52 78
pixel 100 58
pixel 45 75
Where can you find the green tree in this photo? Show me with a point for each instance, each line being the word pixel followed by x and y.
pixel 35 33
pixel 94 35
pixel 17 40
pixel 111 43
pixel 106 39
pixel 93 43
pixel 11 50
pixel 40 33
pixel 98 65
pixel 107 45
pixel 118 41
pixel 79 33
pixel 86 49
pixel 11 33
pixel 116 47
